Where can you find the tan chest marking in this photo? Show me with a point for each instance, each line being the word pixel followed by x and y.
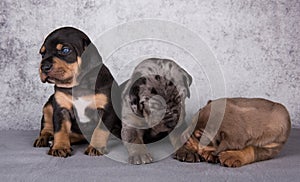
pixel 97 101
pixel 63 100
pixel 81 104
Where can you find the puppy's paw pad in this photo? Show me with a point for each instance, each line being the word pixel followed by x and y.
pixel 60 152
pixel 92 151
pixel 230 159
pixel 140 159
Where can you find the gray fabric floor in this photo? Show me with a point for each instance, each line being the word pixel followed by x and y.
pixel 19 161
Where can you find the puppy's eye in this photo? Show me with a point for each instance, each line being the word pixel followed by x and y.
pixel 65 51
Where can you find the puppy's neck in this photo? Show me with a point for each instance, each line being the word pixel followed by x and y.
pixel 86 83
pixel 76 91
pixel 64 90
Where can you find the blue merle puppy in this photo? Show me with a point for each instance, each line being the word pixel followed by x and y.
pixel 153 105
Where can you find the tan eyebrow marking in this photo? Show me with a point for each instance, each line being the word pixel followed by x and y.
pixel 59 46
pixel 43 49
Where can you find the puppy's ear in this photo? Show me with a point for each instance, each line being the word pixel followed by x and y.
pixel 90 56
pixel 85 42
pixel 91 62
pixel 80 42
pixel 187 78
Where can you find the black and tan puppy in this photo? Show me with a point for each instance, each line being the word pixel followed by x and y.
pixel 251 130
pixel 82 94
pixel 153 105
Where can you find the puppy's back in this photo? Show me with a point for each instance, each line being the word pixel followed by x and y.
pixel 257 121
pixel 259 111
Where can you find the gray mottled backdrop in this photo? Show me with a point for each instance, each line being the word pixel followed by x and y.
pixel 256 43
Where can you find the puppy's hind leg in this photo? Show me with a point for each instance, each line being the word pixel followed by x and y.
pixel 250 154
pixel 267 152
pixel 237 158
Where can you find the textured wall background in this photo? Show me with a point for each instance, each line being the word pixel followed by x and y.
pixel 255 42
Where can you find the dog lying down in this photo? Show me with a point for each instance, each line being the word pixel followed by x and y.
pixel 251 130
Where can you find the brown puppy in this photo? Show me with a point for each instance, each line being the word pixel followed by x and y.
pixel 82 97
pixel 251 130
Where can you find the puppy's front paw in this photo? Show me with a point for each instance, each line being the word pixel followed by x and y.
pixel 230 159
pixel 92 151
pixel 209 157
pixel 140 159
pixel 65 152
pixel 185 155
pixel 42 141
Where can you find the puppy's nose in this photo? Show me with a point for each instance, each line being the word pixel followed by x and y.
pixel 46 67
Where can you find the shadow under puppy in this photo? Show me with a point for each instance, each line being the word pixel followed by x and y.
pixel 82 98
pixel 153 105
pixel 250 130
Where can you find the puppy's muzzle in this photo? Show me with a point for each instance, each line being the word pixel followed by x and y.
pixel 46 67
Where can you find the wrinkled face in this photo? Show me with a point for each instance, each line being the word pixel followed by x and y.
pixel 156 99
pixel 61 56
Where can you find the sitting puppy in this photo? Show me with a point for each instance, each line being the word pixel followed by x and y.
pixel 251 130
pixel 82 93
pixel 153 105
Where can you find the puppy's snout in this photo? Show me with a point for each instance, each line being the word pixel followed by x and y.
pixel 46 67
